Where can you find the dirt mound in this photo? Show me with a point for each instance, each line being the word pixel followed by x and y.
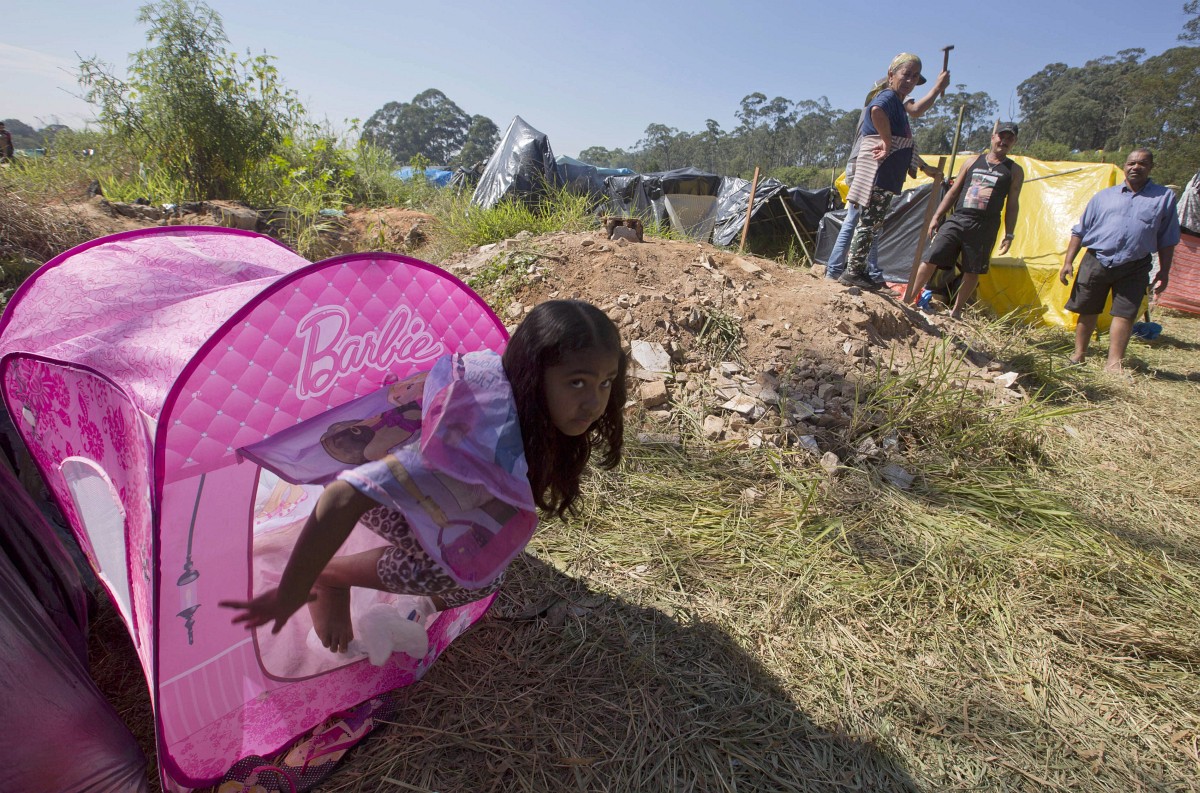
pixel 739 346
pixel 747 348
pixel 388 229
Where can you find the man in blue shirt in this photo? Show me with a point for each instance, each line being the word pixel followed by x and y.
pixel 1120 228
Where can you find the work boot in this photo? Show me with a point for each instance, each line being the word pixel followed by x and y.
pixel 861 280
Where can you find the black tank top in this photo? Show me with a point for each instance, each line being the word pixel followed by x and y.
pixel 985 187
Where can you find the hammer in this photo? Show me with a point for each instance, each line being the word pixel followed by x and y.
pixel 946 60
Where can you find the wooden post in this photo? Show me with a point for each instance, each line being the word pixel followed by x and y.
pixel 957 132
pixel 749 210
pixel 788 211
pixel 935 198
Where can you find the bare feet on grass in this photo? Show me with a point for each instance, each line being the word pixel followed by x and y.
pixel 331 617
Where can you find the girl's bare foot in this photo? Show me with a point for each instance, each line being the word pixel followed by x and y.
pixel 331 617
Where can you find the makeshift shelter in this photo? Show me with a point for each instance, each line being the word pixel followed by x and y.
pixel 1025 280
pixel 627 197
pixel 684 199
pixel 137 367
pixel 522 166
pixel 583 179
pixel 778 211
pixel 1183 286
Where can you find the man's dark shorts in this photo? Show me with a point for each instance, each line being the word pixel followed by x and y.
pixel 969 236
pixel 1127 282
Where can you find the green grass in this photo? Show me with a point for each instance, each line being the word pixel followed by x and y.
pixel 462 226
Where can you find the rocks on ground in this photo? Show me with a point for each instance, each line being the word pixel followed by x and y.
pixel 742 349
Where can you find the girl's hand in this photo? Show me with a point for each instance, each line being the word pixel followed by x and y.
pixel 270 606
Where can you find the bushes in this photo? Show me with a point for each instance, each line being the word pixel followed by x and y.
pixel 198 114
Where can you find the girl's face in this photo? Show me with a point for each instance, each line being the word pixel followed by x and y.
pixel 577 390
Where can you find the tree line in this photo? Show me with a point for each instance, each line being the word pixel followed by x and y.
pixel 209 117
pixel 1098 111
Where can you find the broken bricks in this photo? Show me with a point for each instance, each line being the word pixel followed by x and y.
pixel 624 228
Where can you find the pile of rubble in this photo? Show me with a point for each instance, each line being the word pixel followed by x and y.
pixel 743 349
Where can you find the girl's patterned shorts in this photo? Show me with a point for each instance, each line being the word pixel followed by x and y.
pixel 406 569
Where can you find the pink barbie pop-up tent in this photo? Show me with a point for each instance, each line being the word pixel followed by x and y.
pixel 136 368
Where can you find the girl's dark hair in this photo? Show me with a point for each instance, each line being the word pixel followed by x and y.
pixel 547 337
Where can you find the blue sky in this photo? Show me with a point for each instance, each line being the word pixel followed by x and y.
pixel 588 73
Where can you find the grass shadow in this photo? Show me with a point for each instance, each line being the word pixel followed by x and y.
pixel 565 688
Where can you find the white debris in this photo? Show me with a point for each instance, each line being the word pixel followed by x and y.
pixel 1008 379
pixel 650 356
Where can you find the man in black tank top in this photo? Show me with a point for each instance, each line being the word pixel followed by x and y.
pixel 987 187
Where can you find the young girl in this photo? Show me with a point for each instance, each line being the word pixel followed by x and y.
pixel 500 437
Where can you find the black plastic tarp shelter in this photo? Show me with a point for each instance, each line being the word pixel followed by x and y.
pixel 902 229
pixel 809 206
pixel 627 196
pixel 57 730
pixel 776 208
pixel 584 179
pixel 521 167
pixel 733 200
pixel 681 181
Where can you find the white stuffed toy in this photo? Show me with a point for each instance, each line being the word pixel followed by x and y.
pixel 385 628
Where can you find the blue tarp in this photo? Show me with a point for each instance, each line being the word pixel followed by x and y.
pixel 563 161
pixel 438 177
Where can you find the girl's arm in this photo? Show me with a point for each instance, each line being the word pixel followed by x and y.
pixel 334 517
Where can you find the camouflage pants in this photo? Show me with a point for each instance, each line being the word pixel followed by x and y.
pixel 870 224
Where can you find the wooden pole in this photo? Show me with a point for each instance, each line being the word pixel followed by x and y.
pixel 957 132
pixel 788 211
pixel 749 210
pixel 935 197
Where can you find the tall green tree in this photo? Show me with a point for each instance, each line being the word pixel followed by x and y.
pixel 1163 113
pixel 1191 28
pixel 189 108
pixel 607 158
pixel 482 138
pixel 1082 107
pixel 658 146
pixel 765 127
pixel 933 133
pixel 430 125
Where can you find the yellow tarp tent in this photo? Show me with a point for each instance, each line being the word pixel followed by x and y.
pixel 1052 201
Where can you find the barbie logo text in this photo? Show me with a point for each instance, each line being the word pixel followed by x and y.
pixel 331 351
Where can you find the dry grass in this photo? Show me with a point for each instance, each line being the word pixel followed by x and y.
pixel 722 619
pixel 31 234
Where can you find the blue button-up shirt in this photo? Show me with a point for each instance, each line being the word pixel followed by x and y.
pixel 1120 226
